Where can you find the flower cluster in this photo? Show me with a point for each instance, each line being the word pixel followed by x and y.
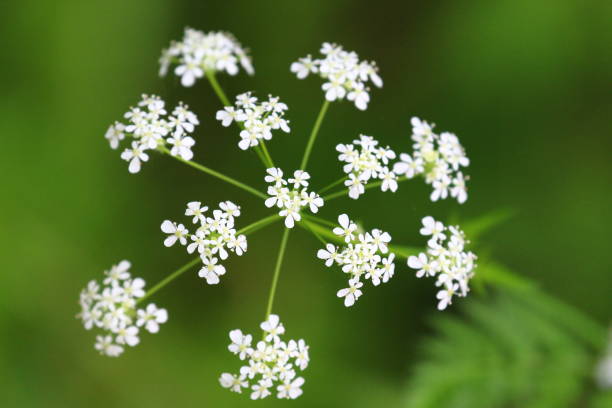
pixel 438 158
pixel 198 53
pixel 445 259
pixel 271 362
pixel 367 162
pixel 345 74
pixel 150 128
pixel 257 119
pixel 112 308
pixel 212 239
pixel 291 195
pixel 360 257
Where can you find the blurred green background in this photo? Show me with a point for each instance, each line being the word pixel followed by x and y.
pixel 526 85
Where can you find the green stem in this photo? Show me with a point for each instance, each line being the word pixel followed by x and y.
pixel 257 225
pixel 169 279
pixel 266 154
pixel 249 229
pixel 367 187
pixel 263 156
pixel 217 88
pixel 215 173
pixel 332 185
pixel 313 134
pixel 320 220
pixel 314 232
pixel 277 268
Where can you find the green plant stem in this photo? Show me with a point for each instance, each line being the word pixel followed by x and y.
pixel 169 279
pixel 332 185
pixel 257 225
pixel 262 152
pixel 277 268
pixel 315 233
pixel 320 220
pixel 249 229
pixel 215 173
pixel 367 187
pixel 313 134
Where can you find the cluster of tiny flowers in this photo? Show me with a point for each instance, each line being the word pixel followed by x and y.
pixel 291 195
pixel 439 158
pixel 112 308
pixel 151 127
pixel 198 53
pixel 212 239
pixel 445 259
pixel 360 257
pixel 346 76
pixel 365 163
pixel 603 373
pixel 271 362
pixel 257 119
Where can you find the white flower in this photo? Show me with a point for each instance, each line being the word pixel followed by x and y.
pixel 445 259
pixel 346 228
pixel 112 309
pixel 211 271
pixel 115 134
pixel 256 119
pixel 290 389
pixel 176 232
pixel 233 382
pixel 438 158
pixel 352 293
pixel 151 318
pixel 181 146
pixel 273 327
pixel 241 344
pixel 198 52
pixel 291 201
pixel 329 254
pixel 367 162
pixel 135 156
pixel 196 210
pixel 105 345
pixel 189 70
pixel 344 74
pixel 271 363
pixel 149 128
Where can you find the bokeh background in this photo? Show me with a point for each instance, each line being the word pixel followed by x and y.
pixel 526 85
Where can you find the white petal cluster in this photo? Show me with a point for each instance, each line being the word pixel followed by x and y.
pixel 150 127
pixel 366 162
pixel 199 52
pixel 258 119
pixel 603 371
pixel 112 308
pixel 439 158
pixel 270 365
pixel 446 259
pixel 213 238
pixel 361 257
pixel 291 195
pixel 345 75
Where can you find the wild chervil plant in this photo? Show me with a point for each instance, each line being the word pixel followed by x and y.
pixel 116 309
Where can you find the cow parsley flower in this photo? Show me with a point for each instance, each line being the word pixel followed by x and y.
pixel 292 195
pixel 366 162
pixel 214 237
pixel 271 364
pixel 151 127
pixel 112 308
pixel 345 75
pixel 438 158
pixel 257 120
pixel 446 259
pixel 363 256
pixel 199 52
